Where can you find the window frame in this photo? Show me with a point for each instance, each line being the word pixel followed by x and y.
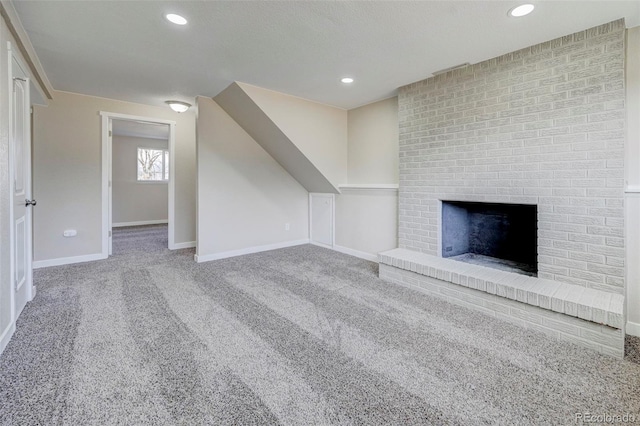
pixel 165 165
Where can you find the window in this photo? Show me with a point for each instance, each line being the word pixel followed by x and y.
pixel 153 165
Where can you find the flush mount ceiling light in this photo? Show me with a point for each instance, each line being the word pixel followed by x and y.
pixel 176 19
pixel 522 10
pixel 178 106
pixel 347 80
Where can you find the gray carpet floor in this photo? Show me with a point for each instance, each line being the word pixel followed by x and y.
pixel 301 335
pixel 632 349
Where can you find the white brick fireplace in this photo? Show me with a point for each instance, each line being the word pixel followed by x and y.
pixel 542 126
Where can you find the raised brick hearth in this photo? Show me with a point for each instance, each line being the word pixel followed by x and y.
pixel 588 317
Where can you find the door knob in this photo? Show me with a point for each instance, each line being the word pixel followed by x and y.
pixel 28 203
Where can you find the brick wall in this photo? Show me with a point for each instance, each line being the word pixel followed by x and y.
pixel 543 125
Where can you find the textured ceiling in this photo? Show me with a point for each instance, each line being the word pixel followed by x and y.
pixel 127 50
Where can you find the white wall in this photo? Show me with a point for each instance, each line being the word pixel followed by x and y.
pixel 135 201
pixel 373 143
pixel 67 166
pixel 318 130
pixel 289 153
pixel 632 197
pixel 245 197
pixel 367 219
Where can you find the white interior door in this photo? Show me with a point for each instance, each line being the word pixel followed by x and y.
pixel 22 203
pixel 322 218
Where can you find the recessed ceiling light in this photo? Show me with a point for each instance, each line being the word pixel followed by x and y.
pixel 176 19
pixel 178 106
pixel 347 80
pixel 521 10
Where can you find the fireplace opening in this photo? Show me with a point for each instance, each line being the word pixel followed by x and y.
pixel 500 236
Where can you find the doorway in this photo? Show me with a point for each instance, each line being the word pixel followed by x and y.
pixel 140 152
pixel 140 176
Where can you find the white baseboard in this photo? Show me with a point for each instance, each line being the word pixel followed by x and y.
pixel 6 336
pixel 188 244
pixel 633 329
pixel 248 250
pixel 139 223
pixel 315 243
pixel 357 253
pixel 68 260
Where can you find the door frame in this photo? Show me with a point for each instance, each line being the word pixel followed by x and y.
pixel 107 186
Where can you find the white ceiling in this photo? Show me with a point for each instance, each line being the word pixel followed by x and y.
pixel 127 50
pixel 139 129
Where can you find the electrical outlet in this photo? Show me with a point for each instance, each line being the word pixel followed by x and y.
pixel 287 226
pixel 70 233
pixel 448 248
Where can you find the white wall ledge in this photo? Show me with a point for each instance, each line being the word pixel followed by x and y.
pixel 387 186
pixel 585 303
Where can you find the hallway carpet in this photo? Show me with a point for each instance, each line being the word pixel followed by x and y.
pixel 302 335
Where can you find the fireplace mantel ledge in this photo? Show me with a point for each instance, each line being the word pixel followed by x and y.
pixel 586 303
